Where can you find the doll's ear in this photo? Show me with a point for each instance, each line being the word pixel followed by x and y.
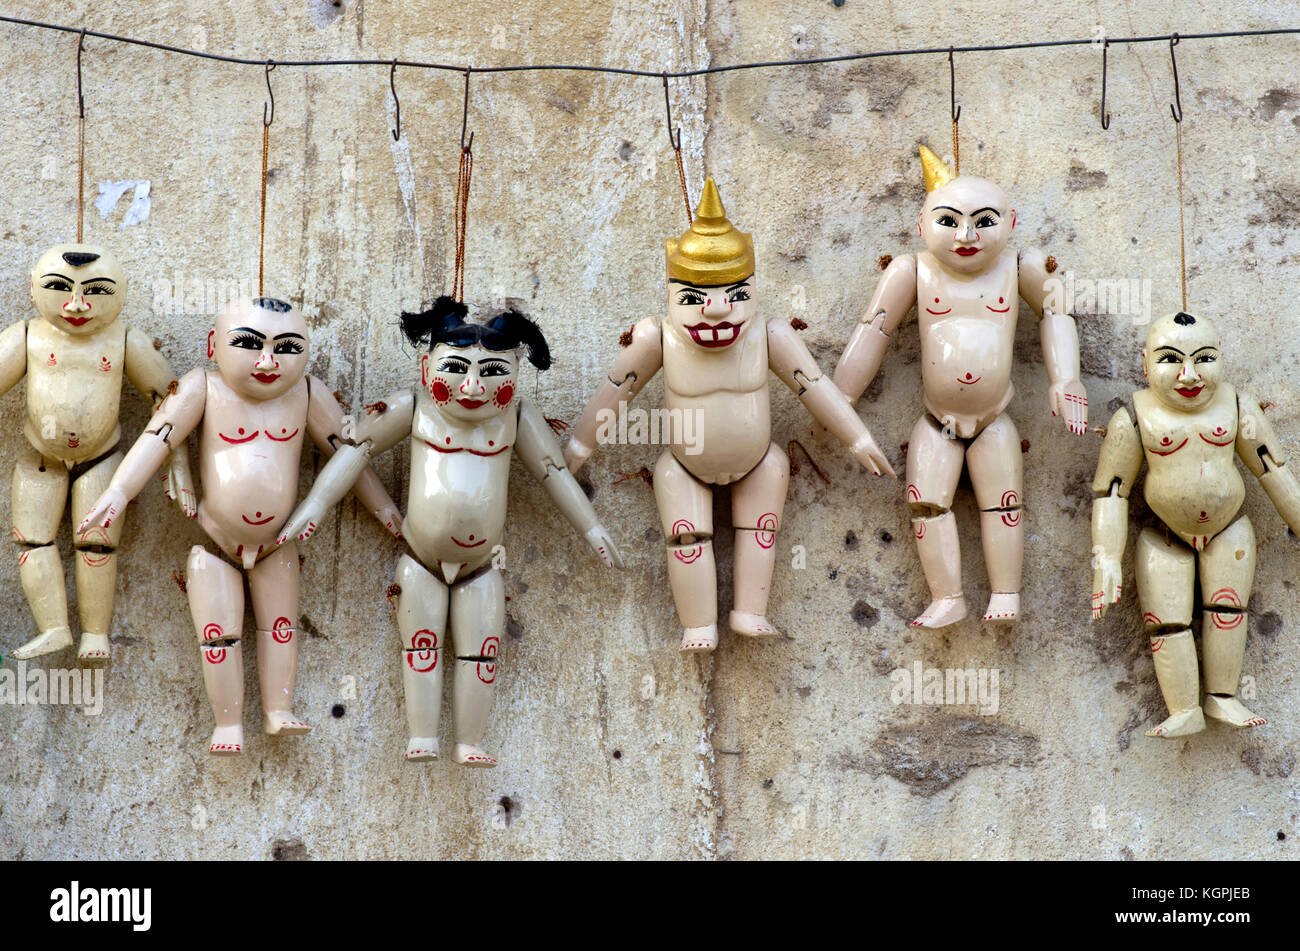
pixel 211 352
pixel 1013 219
pixel 429 327
pixel 424 370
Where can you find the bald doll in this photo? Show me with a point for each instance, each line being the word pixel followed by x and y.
pixel 254 412
pixel 74 358
pixel 966 287
pixel 1189 424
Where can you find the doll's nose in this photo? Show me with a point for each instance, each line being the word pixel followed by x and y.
pixel 76 304
pixel 716 306
pixel 1188 372
pixel 267 361
pixel 472 386
pixel 966 231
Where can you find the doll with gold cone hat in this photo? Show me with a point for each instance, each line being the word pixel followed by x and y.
pixel 966 286
pixel 716 349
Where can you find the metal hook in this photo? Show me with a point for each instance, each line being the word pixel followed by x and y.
pixel 81 101
pixel 397 103
pixel 464 117
pixel 952 79
pixel 1105 116
pixel 675 142
pixel 1178 98
pixel 268 119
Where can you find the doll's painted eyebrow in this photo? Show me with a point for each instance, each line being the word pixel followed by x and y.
pixel 1174 349
pixel 948 208
pixel 978 210
pixel 285 336
pixel 738 285
pixel 248 330
pixel 60 277
pixel 1206 347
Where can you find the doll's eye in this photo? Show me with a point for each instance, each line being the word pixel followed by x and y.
pixel 738 295
pixel 495 368
pixel 690 298
pixel 1168 358
pixel 246 342
pixel 946 221
pixel 288 346
pixel 56 284
pixel 1206 358
pixel 453 366
pixel 986 221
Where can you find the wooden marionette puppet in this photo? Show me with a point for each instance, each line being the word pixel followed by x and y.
pixel 464 422
pixel 74 358
pixel 254 413
pixel 1189 424
pixel 966 287
pixel 716 350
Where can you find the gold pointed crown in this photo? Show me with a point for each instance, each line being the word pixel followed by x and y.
pixel 937 172
pixel 711 251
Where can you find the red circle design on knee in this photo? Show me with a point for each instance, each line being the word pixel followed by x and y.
pixel 913 493
pixel 282 630
pixel 489 649
pixel 765 535
pixel 1151 619
pixel 423 655
pixel 1011 519
pixel 212 631
pixel 919 531
pixel 1226 596
pixel 214 655
pixel 1010 498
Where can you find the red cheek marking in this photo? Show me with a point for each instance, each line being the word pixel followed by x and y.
pixel 505 393
pixel 440 391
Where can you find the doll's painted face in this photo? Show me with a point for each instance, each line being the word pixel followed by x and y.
pixel 713 317
pixel 1181 361
pixel 471 384
pixel 79 288
pixel 261 347
pixel 966 224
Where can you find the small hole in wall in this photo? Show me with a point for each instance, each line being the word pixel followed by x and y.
pixel 338 710
pixel 618 754
pixel 1281 836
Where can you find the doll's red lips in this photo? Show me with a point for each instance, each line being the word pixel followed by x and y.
pixel 715 335
pixel 262 522
pixel 472 404
pixel 76 321
pixel 967 252
pixel 1189 392
pixel 265 377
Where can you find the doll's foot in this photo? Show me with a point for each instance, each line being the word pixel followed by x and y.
pixel 94 648
pixel 751 625
pixel 284 723
pixel 227 741
pixel 1231 711
pixel 942 612
pixel 697 640
pixel 420 748
pixel 467 755
pixel 55 639
pixel 1004 608
pixel 1183 723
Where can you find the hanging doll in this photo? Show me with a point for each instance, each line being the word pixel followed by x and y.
pixel 464 422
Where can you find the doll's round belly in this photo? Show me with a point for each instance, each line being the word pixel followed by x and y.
pixel 456 505
pixel 966 366
pixel 1195 500
pixel 722 435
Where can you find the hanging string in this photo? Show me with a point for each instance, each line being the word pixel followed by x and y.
pixel 462 216
pixel 956 113
pixel 81 146
pixel 1182 236
pixel 267 119
pixel 675 140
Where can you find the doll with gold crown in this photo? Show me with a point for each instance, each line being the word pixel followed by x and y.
pixel 966 286
pixel 716 350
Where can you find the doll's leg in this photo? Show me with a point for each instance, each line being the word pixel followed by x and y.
pixel 95 561
pixel 478 616
pixel 933 468
pixel 757 503
pixel 37 499
pixel 273 583
pixel 997 473
pixel 686 513
pixel 1166 576
pixel 216 594
pixel 1227 572
pixel 422 624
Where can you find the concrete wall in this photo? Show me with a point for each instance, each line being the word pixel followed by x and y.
pixel 612 743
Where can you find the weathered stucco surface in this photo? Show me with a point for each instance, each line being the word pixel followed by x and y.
pixel 612 744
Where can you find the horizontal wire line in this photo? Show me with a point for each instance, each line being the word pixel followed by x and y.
pixel 628 71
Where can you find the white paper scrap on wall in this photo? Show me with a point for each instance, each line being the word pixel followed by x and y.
pixel 111 192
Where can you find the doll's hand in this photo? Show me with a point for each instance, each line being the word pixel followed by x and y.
pixel 106 508
pixel 868 453
pixel 1107 585
pixel 179 483
pixel 1069 400
pixel 391 516
pixel 603 545
pixel 575 455
pixel 303 523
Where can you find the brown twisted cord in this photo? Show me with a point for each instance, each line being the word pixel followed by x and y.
pixel 1182 237
pixel 956 152
pixel 462 217
pixel 261 243
pixel 81 177
pixel 681 178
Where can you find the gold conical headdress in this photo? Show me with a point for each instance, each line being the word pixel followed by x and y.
pixel 937 173
pixel 711 251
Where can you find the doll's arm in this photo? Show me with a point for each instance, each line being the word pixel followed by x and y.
pixel 149 372
pixel 13 356
pixel 1261 451
pixel 1117 469
pixel 348 466
pixel 894 297
pixel 791 361
pixel 175 418
pixel 1066 395
pixel 636 364
pixel 539 451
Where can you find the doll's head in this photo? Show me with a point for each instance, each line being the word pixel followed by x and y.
pixel 1181 361
pixel 79 288
pixel 261 347
pixel 471 369
pixel 966 221
pixel 711 277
